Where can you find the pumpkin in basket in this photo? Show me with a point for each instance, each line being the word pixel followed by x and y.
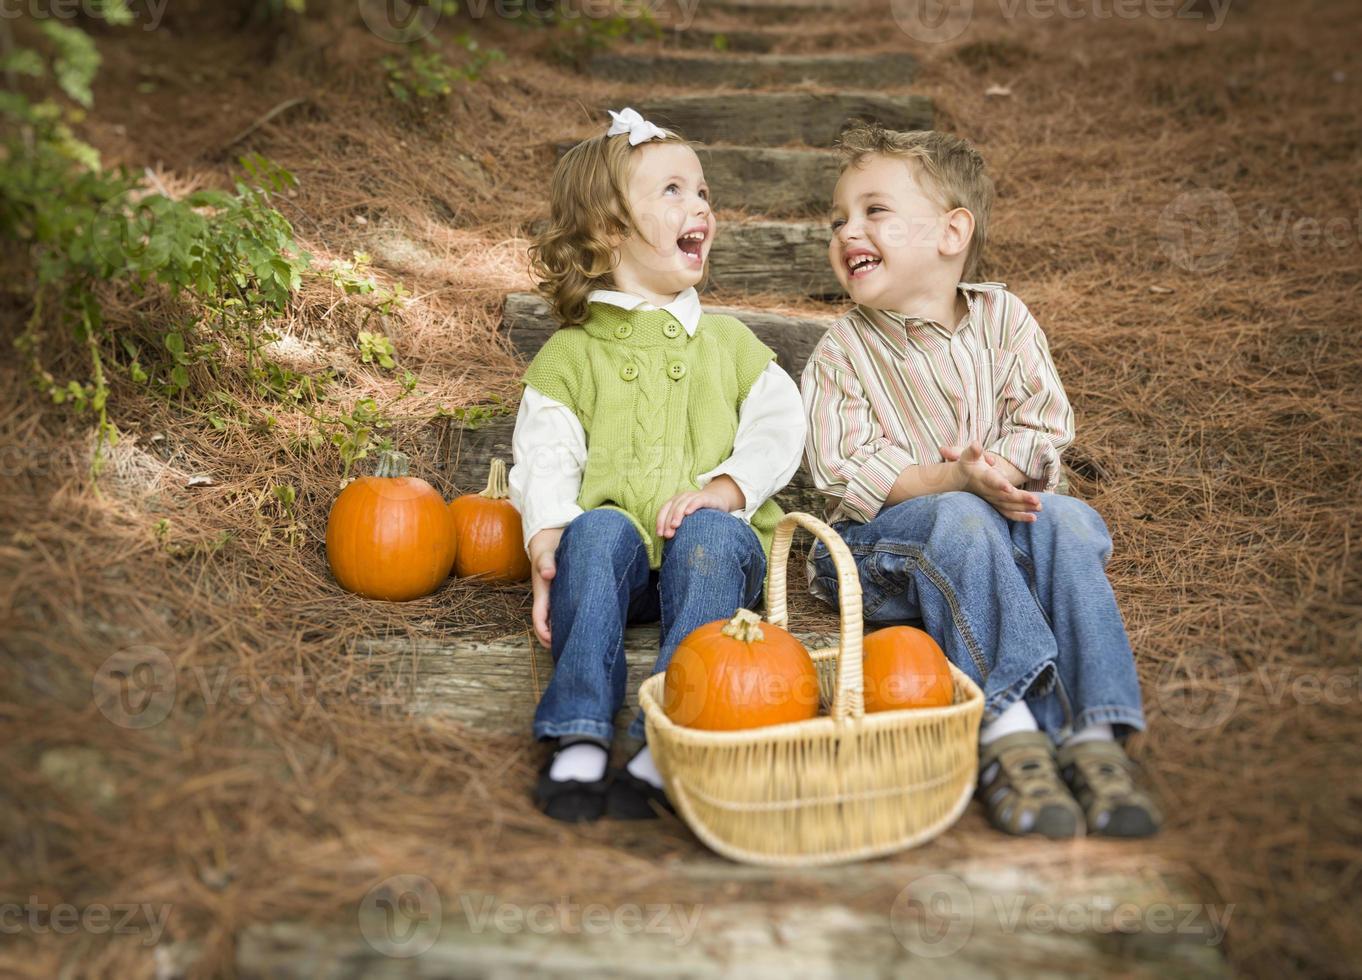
pixel 489 540
pixel 904 667
pixel 740 673
pixel 389 536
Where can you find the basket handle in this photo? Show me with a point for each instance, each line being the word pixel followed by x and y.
pixel 848 699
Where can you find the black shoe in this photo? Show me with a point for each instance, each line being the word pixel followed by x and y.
pixel 631 798
pixel 570 800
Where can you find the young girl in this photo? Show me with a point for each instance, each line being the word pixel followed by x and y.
pixel 650 439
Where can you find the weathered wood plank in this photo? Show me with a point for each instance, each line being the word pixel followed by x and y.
pixel 787 10
pixel 716 39
pixel 766 180
pixel 875 71
pixel 782 257
pixel 493 685
pixel 934 921
pixel 777 118
pixel 770 180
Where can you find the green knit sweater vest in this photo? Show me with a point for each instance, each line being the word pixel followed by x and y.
pixel 659 407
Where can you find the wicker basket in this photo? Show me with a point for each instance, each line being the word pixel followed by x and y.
pixel 840 787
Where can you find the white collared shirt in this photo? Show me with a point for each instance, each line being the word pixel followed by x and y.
pixel 767 448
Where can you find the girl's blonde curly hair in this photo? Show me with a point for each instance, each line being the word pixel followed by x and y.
pixel 589 218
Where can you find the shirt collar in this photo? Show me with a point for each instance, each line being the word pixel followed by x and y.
pixel 905 322
pixel 685 308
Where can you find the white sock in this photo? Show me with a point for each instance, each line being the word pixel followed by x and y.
pixel 643 767
pixel 583 761
pixel 1092 733
pixel 1017 718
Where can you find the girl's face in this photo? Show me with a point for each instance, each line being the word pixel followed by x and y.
pixel 674 226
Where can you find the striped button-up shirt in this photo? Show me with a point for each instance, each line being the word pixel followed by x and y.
pixel 883 392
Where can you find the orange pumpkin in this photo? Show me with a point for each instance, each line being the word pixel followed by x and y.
pixel 488 535
pixel 905 668
pixel 740 673
pixel 388 535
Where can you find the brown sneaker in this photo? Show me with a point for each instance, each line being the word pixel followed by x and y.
pixel 1105 781
pixel 1020 787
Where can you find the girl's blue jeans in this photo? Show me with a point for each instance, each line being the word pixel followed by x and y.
pixel 1024 609
pixel 711 567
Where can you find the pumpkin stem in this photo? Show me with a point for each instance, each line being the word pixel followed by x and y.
pixel 745 626
pixel 498 486
pixel 392 463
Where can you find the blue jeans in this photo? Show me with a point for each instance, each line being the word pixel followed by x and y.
pixel 1025 609
pixel 711 567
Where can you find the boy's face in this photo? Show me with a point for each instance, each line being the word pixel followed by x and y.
pixel 674 226
pixel 886 232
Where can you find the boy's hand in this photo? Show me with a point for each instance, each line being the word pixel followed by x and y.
pixel 542 569
pixel 721 493
pixel 981 476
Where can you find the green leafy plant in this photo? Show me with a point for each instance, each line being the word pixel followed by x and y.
pixel 424 76
pixel 229 256
pixel 353 279
pixel 375 347
pixel 474 416
pixel 223 266
pixel 575 41
pixel 277 510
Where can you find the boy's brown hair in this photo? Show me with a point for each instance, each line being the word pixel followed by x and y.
pixel 949 168
pixel 588 218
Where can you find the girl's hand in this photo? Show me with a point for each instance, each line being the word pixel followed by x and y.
pixel 721 493
pixel 981 475
pixel 542 548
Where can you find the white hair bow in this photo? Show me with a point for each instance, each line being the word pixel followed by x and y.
pixel 639 129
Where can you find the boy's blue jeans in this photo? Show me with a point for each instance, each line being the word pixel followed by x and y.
pixel 712 566
pixel 1025 609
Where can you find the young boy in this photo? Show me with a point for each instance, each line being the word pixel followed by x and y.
pixel 936 421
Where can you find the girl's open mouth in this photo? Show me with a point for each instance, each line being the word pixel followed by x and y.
pixel 692 244
pixel 862 264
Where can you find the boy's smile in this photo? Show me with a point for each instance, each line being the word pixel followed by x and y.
pixel 861 261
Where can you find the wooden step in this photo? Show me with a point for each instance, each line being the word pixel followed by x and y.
pixel 778 118
pixel 717 39
pixel 782 11
pixel 766 180
pixel 788 258
pixel 494 684
pixel 907 915
pixel 876 71
pixel 770 180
